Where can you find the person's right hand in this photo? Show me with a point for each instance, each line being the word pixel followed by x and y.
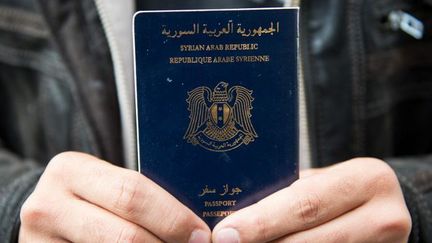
pixel 80 198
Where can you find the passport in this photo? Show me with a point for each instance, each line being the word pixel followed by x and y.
pixel 217 105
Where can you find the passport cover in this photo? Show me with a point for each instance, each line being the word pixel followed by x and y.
pixel 217 104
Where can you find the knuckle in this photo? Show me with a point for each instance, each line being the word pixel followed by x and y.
pixel 58 164
pixel 398 226
pixel 380 177
pixel 127 193
pixel 33 211
pixel 64 156
pixel 309 209
pixel 385 179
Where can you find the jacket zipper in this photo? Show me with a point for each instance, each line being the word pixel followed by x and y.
pixel 125 101
pixel 357 54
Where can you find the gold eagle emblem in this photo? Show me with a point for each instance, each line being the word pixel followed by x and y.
pixel 220 120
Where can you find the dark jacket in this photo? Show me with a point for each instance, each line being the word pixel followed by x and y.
pixel 368 89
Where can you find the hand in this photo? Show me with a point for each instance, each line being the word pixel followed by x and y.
pixel 80 198
pixel 355 201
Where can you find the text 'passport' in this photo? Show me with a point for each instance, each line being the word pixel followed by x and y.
pixel 217 105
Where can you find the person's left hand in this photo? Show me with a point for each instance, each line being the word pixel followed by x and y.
pixel 356 201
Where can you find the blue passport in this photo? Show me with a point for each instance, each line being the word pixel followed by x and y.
pixel 217 105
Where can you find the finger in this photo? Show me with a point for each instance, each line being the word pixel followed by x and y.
pixel 85 222
pixel 74 220
pixel 131 196
pixel 386 224
pixel 26 236
pixel 310 172
pixel 43 239
pixel 309 202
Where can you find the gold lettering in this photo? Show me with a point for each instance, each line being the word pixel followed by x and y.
pixel 242 47
pixel 228 29
pixel 216 214
pixel 227 203
pixel 263 58
pixel 190 60
pixel 217 59
pixel 223 59
pixel 214 48
pixel 191 48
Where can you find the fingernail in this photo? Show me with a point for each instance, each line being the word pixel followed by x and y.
pixel 228 235
pixel 199 236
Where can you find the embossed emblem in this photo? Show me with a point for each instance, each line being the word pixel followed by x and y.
pixel 220 120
